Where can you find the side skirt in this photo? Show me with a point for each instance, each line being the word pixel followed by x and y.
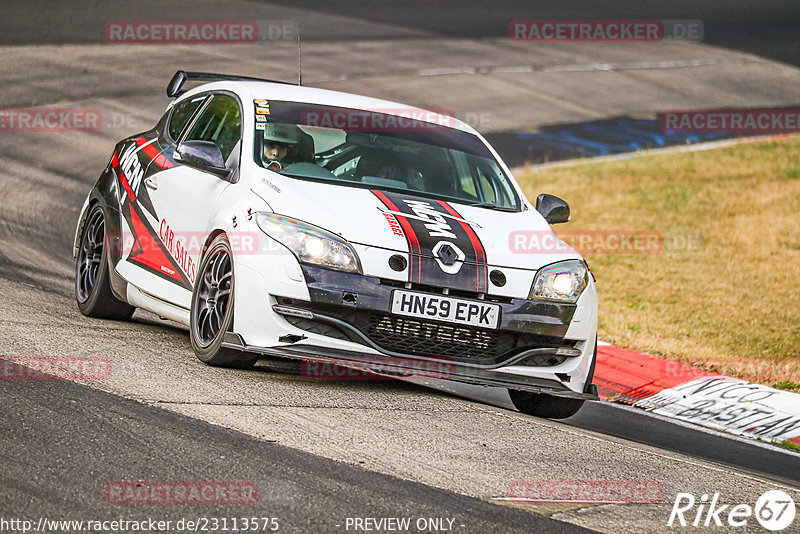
pixel 162 308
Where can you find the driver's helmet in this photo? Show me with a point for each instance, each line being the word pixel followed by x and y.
pixel 284 134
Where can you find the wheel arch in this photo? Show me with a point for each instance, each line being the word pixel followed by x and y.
pixel 212 235
pixel 90 203
pixel 103 192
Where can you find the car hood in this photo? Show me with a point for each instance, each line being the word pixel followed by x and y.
pixel 406 222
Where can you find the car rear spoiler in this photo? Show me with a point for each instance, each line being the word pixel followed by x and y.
pixel 175 86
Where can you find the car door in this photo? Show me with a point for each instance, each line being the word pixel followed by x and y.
pixel 183 200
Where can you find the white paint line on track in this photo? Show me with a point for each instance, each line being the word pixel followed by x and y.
pixel 632 65
pixel 693 426
pixel 499 398
pixel 705 400
pixel 576 67
pixel 668 454
pixel 567 67
pixel 717 402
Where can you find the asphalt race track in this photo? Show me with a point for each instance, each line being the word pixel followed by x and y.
pixel 324 451
pixel 305 492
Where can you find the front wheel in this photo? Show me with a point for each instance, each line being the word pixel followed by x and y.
pixel 542 405
pixel 549 406
pixel 212 308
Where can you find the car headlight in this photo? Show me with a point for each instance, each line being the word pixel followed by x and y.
pixel 309 243
pixel 563 281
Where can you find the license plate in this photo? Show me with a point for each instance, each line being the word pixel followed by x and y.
pixel 441 308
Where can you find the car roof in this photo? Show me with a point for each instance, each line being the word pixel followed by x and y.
pixel 325 97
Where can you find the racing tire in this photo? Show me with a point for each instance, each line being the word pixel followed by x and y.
pixel 542 405
pixel 211 314
pixel 92 278
pixel 550 406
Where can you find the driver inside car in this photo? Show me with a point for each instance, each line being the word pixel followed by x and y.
pixel 280 142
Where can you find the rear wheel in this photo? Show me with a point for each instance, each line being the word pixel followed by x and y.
pixel 212 308
pixel 92 278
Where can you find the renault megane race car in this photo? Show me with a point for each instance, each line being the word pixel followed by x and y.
pixel 283 221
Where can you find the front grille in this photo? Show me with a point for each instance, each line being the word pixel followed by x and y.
pixel 463 343
pixel 407 335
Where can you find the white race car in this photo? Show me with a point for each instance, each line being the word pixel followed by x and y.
pixel 283 221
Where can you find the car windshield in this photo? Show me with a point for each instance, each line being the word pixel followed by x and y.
pixel 379 150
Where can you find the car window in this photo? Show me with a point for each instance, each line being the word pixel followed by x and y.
pixel 181 115
pixel 361 148
pixel 488 183
pixel 441 172
pixel 220 122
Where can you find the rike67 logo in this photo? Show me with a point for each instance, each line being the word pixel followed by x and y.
pixel 774 510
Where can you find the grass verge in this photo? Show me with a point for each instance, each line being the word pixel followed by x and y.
pixel 723 291
pixel 791 446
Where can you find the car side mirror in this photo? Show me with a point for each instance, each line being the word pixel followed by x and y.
pixel 202 155
pixel 553 209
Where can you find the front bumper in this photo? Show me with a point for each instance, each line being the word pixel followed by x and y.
pixel 356 309
pixel 410 366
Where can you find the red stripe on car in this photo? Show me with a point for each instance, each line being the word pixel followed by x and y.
pixel 157 157
pixel 477 246
pixel 151 253
pixel 122 179
pixel 411 237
